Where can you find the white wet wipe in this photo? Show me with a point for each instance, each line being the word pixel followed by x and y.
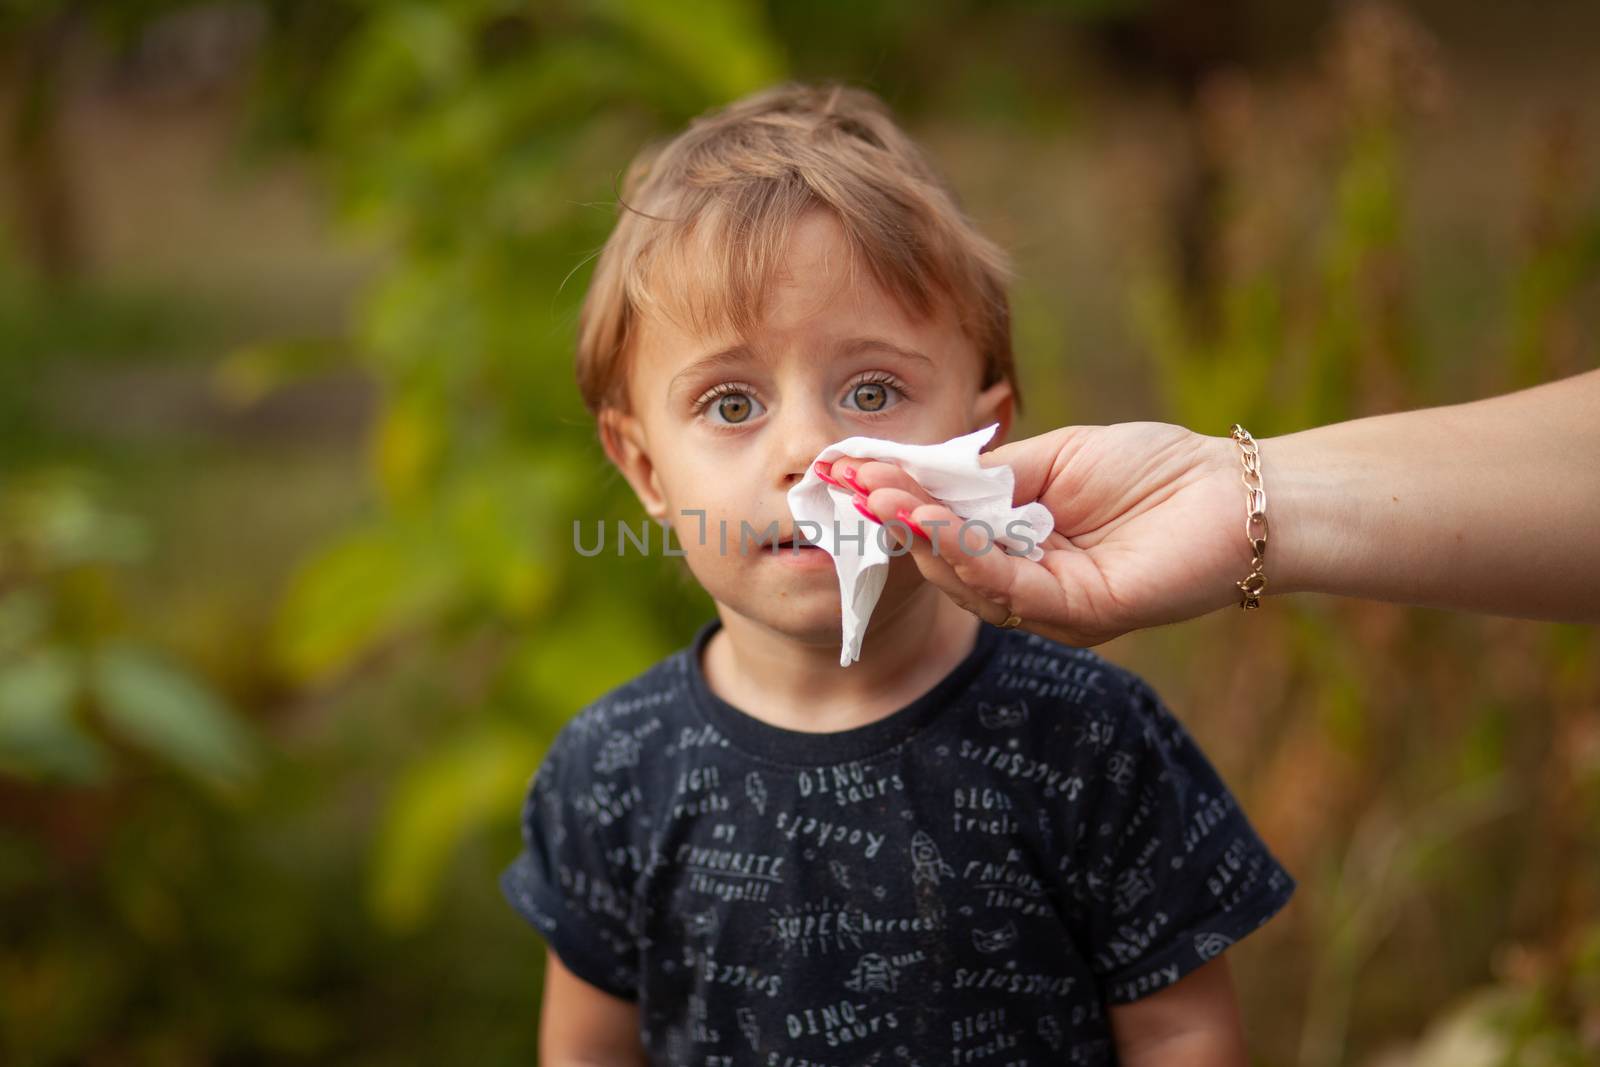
pixel 950 473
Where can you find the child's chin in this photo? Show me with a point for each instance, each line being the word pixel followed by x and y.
pixel 809 624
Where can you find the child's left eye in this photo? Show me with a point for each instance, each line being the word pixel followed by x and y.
pixel 732 403
pixel 872 395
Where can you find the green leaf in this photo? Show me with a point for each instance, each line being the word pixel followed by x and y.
pixel 161 709
pixel 725 47
pixel 39 737
pixel 355 593
pixel 472 781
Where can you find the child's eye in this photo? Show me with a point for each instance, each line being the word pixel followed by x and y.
pixel 727 404
pixel 872 395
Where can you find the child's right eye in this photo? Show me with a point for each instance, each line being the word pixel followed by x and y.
pixel 730 402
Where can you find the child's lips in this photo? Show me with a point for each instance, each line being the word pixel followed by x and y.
pixel 788 551
pixel 789 542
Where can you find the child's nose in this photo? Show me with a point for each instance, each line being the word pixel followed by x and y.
pixel 802 458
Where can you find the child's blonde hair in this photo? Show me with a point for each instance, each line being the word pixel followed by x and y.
pixel 706 217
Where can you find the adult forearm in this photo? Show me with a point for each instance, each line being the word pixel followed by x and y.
pixel 1199 1049
pixel 1492 505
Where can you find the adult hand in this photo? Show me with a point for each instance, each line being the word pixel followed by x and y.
pixel 1149 529
pixel 1444 507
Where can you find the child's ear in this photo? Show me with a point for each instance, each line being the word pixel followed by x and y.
pixel 623 439
pixel 995 404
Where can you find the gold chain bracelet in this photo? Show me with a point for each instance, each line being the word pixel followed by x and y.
pixel 1255 522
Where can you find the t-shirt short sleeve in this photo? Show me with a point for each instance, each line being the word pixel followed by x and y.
pixel 567 882
pixel 1170 872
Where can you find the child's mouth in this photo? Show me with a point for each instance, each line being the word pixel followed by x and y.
pixel 795 550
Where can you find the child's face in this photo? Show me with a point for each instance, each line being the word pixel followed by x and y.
pixel 732 434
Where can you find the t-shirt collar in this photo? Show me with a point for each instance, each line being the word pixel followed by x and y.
pixel 778 744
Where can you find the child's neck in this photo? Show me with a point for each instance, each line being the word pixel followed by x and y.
pixel 798 686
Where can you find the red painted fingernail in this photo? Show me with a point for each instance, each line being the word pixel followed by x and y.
pixel 822 472
pixel 861 505
pixel 905 516
pixel 849 475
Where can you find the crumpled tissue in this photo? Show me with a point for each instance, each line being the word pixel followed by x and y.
pixel 950 473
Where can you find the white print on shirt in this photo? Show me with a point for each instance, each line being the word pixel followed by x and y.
pixel 926 863
pixel 748 1026
pixel 1048 677
pixel 736 975
pixel 756 790
pixel 600 897
pixel 1234 876
pixel 976 1026
pixel 840 872
pixel 1210 946
pixel 971 799
pixel 701 924
pixel 1050 1031
pixel 622 748
pixel 1001 716
pixel 729 892
pixel 707 804
pixel 873 972
pixel 701 737
pixel 990 875
pixel 824 832
pixel 1145 983
pixel 978 1037
pixel 997 940
pixel 730 862
pixel 601 716
pixel 605 802
pixel 699 1029
pixel 778 1059
pixel 1062 693
pixel 839 1024
pixel 1206 819
pixel 698 780
pixel 1023 768
pixel 1120 770
pixel 697 793
pixel 1130 942
pixel 1132 886
pixel 848 782
pixel 1095 733
pixel 728 874
pixel 1045 665
pixel 820 925
pixel 825 926
pixel 1045 985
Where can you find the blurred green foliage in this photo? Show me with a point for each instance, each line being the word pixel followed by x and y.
pixel 71 678
pixel 282 846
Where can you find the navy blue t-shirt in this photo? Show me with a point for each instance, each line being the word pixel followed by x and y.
pixel 970 880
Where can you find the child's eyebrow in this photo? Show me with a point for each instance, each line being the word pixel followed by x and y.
pixel 860 344
pixel 740 353
pixel 727 357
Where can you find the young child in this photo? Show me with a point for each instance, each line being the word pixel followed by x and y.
pixel 972 846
